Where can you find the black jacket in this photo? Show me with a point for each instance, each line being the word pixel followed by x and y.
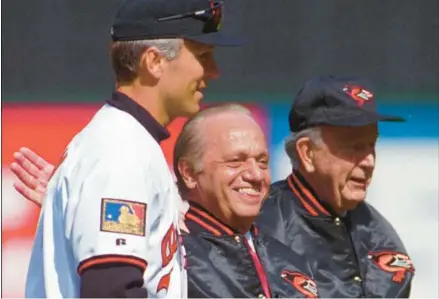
pixel 221 263
pixel 359 255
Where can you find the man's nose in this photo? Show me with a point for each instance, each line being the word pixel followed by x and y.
pixel 368 161
pixel 253 172
pixel 211 69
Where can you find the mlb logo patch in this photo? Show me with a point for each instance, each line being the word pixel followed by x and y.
pixel 123 216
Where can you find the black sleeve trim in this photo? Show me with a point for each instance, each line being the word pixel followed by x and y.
pixel 112 280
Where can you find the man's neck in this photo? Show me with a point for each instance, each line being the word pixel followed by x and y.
pixel 244 225
pixel 310 180
pixel 239 224
pixel 148 98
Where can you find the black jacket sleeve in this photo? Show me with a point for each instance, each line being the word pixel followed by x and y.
pixel 115 280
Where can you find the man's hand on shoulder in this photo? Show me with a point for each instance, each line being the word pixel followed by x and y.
pixel 33 173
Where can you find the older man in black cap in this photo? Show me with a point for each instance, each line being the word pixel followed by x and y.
pixel 320 209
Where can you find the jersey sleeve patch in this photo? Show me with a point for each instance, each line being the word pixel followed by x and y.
pixel 123 216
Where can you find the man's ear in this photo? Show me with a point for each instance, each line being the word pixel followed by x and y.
pixel 187 174
pixel 305 153
pixel 152 61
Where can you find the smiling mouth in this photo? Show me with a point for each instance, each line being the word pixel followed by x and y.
pixel 249 195
pixel 199 93
pixel 249 191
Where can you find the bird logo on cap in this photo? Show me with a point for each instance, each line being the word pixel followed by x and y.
pixel 358 94
pixel 216 13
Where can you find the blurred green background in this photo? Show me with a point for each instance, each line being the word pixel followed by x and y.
pixel 57 51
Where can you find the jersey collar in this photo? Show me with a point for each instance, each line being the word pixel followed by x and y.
pixel 128 105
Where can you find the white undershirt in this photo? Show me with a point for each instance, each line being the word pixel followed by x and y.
pixel 249 238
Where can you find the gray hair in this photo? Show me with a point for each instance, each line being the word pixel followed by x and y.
pixel 190 143
pixel 314 133
pixel 125 55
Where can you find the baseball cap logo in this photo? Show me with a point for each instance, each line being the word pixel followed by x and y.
pixel 358 94
pixel 217 13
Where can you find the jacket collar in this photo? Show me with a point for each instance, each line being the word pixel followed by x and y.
pixel 128 105
pixel 200 219
pixel 307 197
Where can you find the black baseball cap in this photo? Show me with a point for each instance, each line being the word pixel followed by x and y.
pixel 197 20
pixel 336 101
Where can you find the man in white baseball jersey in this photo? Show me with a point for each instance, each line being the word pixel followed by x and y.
pixel 109 223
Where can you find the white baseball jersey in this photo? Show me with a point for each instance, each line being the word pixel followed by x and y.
pixel 112 199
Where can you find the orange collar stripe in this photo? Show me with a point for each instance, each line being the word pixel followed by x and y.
pixel 309 195
pixel 213 220
pixel 203 224
pixel 305 204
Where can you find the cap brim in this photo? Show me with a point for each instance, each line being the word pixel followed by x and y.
pixel 364 119
pixel 390 118
pixel 217 39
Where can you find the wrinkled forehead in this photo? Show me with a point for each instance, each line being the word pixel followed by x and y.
pixel 233 137
pixel 244 138
pixel 237 141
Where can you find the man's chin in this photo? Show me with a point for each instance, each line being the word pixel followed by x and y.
pixel 249 210
pixel 190 111
pixel 352 203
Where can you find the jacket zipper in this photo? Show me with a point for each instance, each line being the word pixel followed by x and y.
pixel 259 269
pixel 356 257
